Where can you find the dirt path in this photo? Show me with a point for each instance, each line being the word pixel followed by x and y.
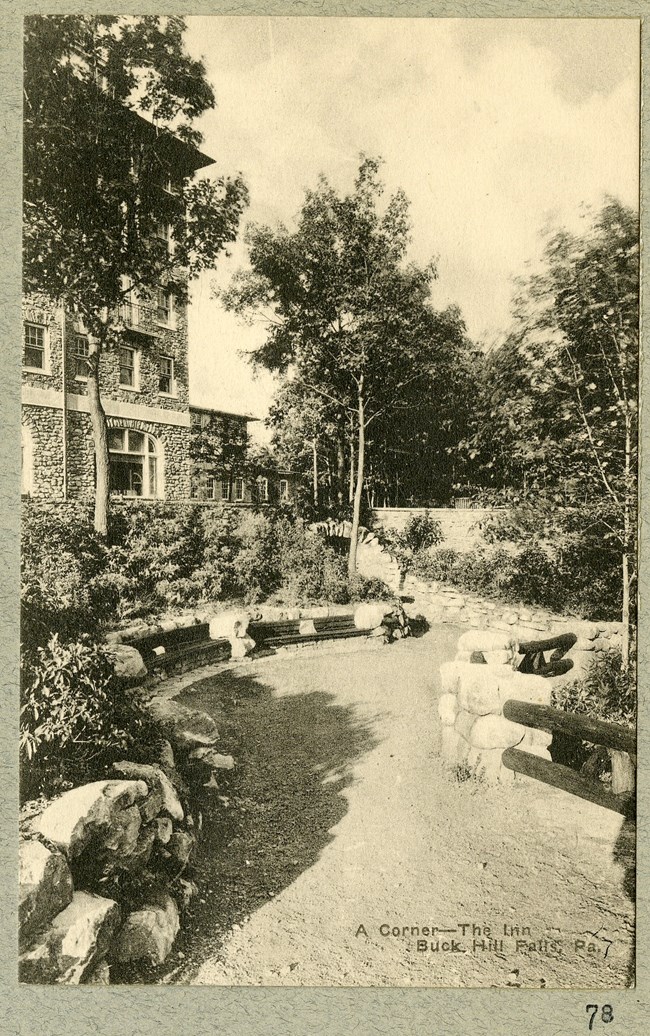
pixel 339 825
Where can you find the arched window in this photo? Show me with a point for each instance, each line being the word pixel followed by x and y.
pixel 133 463
pixel 26 461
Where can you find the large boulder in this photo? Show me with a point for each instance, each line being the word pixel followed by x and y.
pixel 149 932
pixel 89 812
pixel 371 614
pixel 241 647
pixel 75 941
pixel 127 662
pixel 45 888
pixel 496 732
pixel 186 727
pixel 487 640
pixel 229 624
pixel 159 784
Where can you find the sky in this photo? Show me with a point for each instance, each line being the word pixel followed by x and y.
pixel 494 128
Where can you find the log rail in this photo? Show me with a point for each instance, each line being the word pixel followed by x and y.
pixel 619 740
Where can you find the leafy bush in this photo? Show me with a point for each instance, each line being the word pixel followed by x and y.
pixel 64 585
pixel 420 532
pixel 76 717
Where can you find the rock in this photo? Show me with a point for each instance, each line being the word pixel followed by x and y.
pixel 121 838
pixel 113 638
pixel 448 709
pixel 98 975
pixel 464 722
pixel 371 614
pixel 450 676
pixel 180 848
pixel 127 662
pixel 186 892
pixel 184 726
pixel 241 647
pixel 77 938
pixel 138 859
pixel 583 644
pixel 479 691
pixel 496 732
pixel 163 828
pixel 71 821
pixel 213 759
pixel 500 657
pixel 306 627
pixel 45 888
pixel 152 805
pixel 536 690
pixel 537 742
pixel 148 933
pixel 382 632
pixel 158 782
pixel 229 624
pixel 166 757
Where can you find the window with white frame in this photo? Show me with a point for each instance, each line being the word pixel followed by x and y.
pixel 225 490
pixel 263 489
pixel 133 463
pixel 166 375
pixel 212 488
pixel 128 367
pixel 239 490
pixel 34 347
pixel 284 490
pixel 80 351
pixel 164 307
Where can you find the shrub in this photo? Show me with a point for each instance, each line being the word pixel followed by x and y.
pixel 76 717
pixel 64 588
pixel 421 532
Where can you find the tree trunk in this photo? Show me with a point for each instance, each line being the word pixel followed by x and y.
pixel 100 440
pixel 340 469
pixel 315 471
pixel 627 544
pixel 351 473
pixel 356 509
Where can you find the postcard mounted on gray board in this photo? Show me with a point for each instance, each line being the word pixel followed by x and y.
pixel 329 483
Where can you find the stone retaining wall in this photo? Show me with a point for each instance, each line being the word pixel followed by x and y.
pixel 136 830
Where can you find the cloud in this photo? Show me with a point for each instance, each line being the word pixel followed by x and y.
pixel 491 127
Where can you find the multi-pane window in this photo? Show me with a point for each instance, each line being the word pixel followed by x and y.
pixel 239 489
pixel 163 306
pixel 34 353
pixel 263 489
pixel 212 488
pixel 225 490
pixel 127 366
pixel 133 463
pixel 80 356
pixel 166 375
pixel 284 490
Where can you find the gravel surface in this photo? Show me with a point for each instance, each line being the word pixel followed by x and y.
pixel 338 825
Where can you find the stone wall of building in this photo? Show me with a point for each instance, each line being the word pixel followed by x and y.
pixel 45 429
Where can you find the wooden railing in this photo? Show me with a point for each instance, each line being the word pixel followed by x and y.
pixel 619 740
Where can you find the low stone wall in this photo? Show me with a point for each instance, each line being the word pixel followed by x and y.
pixel 102 867
pixel 439 603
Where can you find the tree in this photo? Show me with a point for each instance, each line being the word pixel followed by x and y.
pixel 345 315
pixel 220 448
pixel 109 106
pixel 559 420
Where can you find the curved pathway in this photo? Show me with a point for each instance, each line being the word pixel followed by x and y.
pixel 339 826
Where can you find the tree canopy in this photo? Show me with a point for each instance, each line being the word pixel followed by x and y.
pixel 347 318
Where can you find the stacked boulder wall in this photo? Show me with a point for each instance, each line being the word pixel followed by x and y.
pixel 78 936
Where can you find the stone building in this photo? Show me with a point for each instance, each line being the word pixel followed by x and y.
pixel 236 487
pixel 144 383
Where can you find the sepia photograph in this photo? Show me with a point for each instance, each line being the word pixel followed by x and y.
pixel 329 457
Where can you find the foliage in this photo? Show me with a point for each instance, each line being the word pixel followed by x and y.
pixel 420 532
pixel 64 586
pixel 220 448
pixel 76 717
pixel 101 181
pixel 606 692
pixel 346 318
pixel 556 414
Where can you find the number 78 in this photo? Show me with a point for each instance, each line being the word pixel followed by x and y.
pixel 606 1013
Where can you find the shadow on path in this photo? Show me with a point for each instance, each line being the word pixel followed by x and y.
pixel 272 816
